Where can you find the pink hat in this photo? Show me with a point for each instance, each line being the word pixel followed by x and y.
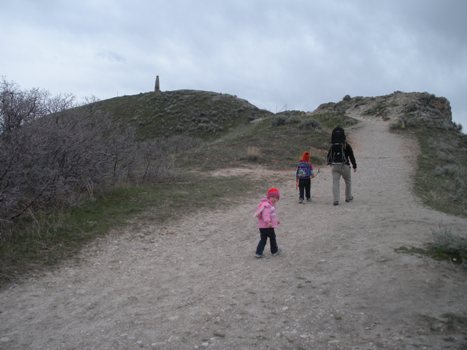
pixel 273 192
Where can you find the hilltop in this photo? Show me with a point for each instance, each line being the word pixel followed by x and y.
pixel 442 161
pixel 405 108
pixel 188 112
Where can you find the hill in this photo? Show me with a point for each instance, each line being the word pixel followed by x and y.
pixel 352 276
pixel 227 131
pixel 239 131
pixel 96 167
pixel 188 112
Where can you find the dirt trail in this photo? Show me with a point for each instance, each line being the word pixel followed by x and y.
pixel 195 284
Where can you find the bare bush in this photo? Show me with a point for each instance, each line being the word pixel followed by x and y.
pixel 89 99
pixel 19 107
pixel 49 162
pixel 57 158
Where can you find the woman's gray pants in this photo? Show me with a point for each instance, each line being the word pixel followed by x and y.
pixel 343 170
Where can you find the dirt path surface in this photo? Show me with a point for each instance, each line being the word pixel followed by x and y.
pixel 195 284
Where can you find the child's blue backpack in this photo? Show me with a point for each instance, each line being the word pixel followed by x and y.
pixel 303 170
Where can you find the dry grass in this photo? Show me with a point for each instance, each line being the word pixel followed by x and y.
pixel 253 153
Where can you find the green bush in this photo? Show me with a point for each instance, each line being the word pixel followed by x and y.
pixel 447 245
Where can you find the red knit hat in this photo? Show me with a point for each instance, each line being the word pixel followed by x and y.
pixel 306 156
pixel 273 192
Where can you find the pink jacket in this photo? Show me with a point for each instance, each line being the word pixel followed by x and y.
pixel 266 214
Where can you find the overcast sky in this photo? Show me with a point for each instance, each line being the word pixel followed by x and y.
pixel 277 54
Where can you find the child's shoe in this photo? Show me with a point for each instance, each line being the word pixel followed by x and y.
pixel 300 201
pixel 277 253
pixel 259 256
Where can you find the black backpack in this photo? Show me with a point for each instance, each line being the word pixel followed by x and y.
pixel 338 135
pixel 336 153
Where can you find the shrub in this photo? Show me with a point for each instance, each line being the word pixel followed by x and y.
pixel 293 120
pixel 58 160
pixel 278 121
pixel 447 245
pixel 310 124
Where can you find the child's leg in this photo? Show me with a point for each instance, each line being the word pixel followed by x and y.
pixel 262 242
pixel 301 189
pixel 272 241
pixel 308 188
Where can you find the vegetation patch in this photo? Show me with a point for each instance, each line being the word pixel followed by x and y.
pixel 201 114
pixel 442 169
pixel 277 142
pixel 440 180
pixel 446 245
pixel 42 240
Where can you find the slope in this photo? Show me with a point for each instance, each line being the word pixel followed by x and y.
pixel 194 283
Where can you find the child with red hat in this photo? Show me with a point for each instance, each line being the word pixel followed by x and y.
pixel 303 177
pixel 267 222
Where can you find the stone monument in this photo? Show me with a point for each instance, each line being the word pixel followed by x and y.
pixel 157 86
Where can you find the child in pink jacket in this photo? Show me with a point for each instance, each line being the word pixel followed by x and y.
pixel 267 222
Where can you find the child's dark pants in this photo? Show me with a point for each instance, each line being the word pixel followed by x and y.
pixel 265 233
pixel 304 188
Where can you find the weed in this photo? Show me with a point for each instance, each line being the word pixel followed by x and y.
pixel 445 246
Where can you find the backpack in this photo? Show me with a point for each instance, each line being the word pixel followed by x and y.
pixel 336 153
pixel 338 135
pixel 303 170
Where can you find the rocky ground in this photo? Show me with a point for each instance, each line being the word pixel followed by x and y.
pixel 195 283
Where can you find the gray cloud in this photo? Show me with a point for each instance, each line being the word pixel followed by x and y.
pixel 277 54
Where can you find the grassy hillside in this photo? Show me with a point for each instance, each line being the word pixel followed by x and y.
pixel 275 141
pixel 230 131
pixel 184 112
